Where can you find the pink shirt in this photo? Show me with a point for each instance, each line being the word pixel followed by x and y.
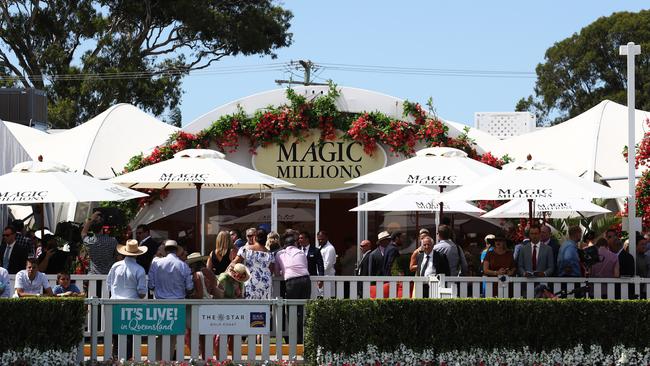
pixel 608 262
pixel 291 262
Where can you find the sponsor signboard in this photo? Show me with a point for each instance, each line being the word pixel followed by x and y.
pixel 317 166
pixel 234 319
pixel 148 319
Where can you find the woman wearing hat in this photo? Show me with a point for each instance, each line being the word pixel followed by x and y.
pixel 205 282
pixel 232 281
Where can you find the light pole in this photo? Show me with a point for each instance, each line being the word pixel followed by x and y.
pixel 630 50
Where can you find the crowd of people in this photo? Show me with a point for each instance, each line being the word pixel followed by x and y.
pixel 143 267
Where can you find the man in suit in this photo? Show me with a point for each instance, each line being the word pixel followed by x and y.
pixel 14 256
pixel 143 236
pixel 314 258
pixel 430 262
pixel 363 267
pixel 381 259
pixel 548 239
pixel 542 264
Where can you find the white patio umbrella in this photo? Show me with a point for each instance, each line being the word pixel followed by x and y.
pixel 416 198
pixel 543 207
pixel 531 180
pixel 284 214
pixel 433 166
pixel 48 182
pixel 198 168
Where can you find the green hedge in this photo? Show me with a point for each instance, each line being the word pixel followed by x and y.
pixel 41 323
pixel 348 326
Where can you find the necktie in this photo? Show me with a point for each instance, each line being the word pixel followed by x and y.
pixel 534 257
pixel 424 267
pixel 5 259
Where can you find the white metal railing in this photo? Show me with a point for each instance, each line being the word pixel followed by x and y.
pixel 283 325
pixel 356 287
pixel 524 287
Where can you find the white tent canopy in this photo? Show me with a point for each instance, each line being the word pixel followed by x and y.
pixel 98 147
pixel 590 143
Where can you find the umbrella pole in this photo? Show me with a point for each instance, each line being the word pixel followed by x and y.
pixel 530 211
pixel 42 206
pixel 197 209
pixel 417 222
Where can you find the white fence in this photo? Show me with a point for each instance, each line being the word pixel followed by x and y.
pixel 283 324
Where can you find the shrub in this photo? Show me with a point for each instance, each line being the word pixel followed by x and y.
pixel 349 326
pixel 41 323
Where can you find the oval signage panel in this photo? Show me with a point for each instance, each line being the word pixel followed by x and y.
pixel 318 167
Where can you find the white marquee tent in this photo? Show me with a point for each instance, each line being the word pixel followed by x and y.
pixel 98 147
pixel 590 144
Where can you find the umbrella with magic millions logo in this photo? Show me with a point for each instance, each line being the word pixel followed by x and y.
pixel 197 169
pixel 544 207
pixel 531 180
pixel 434 166
pixel 49 182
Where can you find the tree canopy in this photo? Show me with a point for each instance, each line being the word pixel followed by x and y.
pixel 90 54
pixel 586 68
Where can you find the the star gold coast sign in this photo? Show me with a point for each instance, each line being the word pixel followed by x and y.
pixel 318 167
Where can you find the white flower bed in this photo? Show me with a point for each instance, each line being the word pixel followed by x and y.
pixel 403 356
pixel 28 356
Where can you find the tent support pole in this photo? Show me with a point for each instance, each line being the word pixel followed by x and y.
pixel 42 206
pixel 197 209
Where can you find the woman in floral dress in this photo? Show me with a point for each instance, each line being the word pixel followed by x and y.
pixel 258 260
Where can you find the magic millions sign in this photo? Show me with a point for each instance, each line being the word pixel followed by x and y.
pixel 318 166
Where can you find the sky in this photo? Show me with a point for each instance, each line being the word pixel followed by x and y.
pixel 476 35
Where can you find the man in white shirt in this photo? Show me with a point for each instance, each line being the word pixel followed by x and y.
pixel 328 252
pixel 126 279
pixel 32 283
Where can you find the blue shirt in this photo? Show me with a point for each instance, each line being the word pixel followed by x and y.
pixel 170 278
pixel 568 257
pixel 58 289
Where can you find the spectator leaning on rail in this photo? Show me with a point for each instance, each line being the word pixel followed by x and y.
pixel 64 288
pixel 32 283
pixel 170 277
pixel 127 279
pixel 454 254
pixel 568 261
pixel 535 258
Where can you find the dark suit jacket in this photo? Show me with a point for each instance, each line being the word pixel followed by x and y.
pixel 376 263
pixel 440 263
pixel 363 269
pixel 18 259
pixel 390 254
pixel 145 259
pixel 626 264
pixel 315 262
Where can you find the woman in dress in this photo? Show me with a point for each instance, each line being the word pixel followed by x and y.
pixel 223 253
pixel 258 260
pixel 499 262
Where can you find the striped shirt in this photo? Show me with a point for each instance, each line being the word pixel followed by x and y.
pixel 101 249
